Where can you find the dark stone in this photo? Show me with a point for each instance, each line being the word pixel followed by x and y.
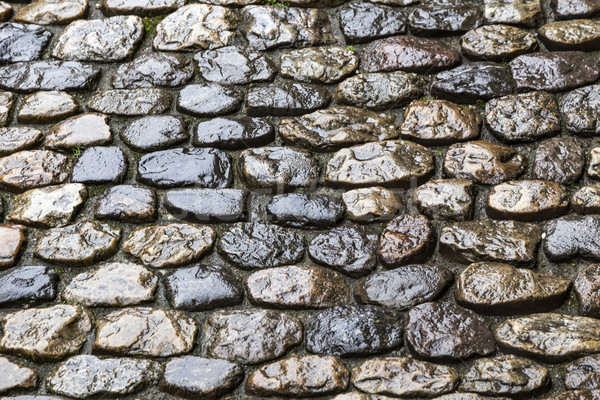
pixel 155 132
pixel 130 102
pixel 209 100
pixel 22 42
pixel 471 82
pixel 410 54
pixel 447 332
pixel 203 287
pixel 405 287
pixel 287 98
pixel 559 159
pixel 361 22
pixel 27 285
pixel 577 395
pixel 444 18
pixel 255 245
pixel 153 69
pixel 235 65
pixel 572 236
pixel 580 34
pixel 553 71
pixel 583 373
pixel 127 203
pixel 373 330
pixel 299 210
pixel 99 165
pixel 47 75
pixel 209 168
pixel 406 239
pixel 206 205
pixel 233 133
pixel 581 111
pixel 587 289
pixel 497 43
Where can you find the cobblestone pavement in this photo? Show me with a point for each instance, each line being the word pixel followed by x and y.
pixel 260 199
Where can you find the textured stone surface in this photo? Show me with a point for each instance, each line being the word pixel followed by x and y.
pixel 372 204
pixel 15 139
pixel 406 239
pixel 593 169
pixel 6 103
pixel 497 43
pixel 580 34
pixel 210 99
pixel 583 373
pixel 318 64
pixel 51 12
pixel 22 42
pixel 587 289
pixel 581 110
pixel 526 13
pixel 449 199
pixel 85 130
pixel 155 132
pixel 235 65
pixel 567 9
pixel 362 22
pixel 130 103
pixel 444 18
pixel 299 210
pixel 286 98
pixel 47 75
pixel 127 203
pixel 27 285
pixel 153 69
pixel 559 159
pixel 586 200
pixel 16 376
pixel 47 107
pixel 32 169
pixel 206 205
pixel 572 236
pixel 145 8
pixel 12 239
pixel 233 133
pixel 97 165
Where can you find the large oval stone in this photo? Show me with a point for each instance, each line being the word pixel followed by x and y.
pixel 579 34
pixel 318 64
pixel 147 8
pixel 206 205
pixel 586 200
pixel 50 12
pixel 286 98
pixel 233 133
pixel 17 138
pixel 32 169
pixel 127 203
pixel 46 107
pixel 407 238
pixel 47 75
pixel 300 210
pixel 153 69
pixel 497 43
pixel 444 18
pixel 361 22
pixel 22 42
pixel 154 132
pixel 209 99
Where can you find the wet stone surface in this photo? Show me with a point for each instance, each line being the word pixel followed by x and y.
pixel 298 210
pixel 578 34
pixel 16 376
pixel 231 133
pixel 51 12
pixel 235 65
pixel 13 238
pixel 27 285
pixel 155 132
pixel 22 42
pixel 32 169
pixel 47 107
pixel 567 9
pixel 128 203
pixel 442 19
pixel 285 99
pixel 99 165
pixel 209 99
pixel 361 22
pixel 526 13
pixel 15 139
pixel 47 75
pixel 318 65
pixel 497 43
pixel 85 130
pixel 586 200
pixel 559 159
pixel 583 373
pixel 586 287
pixel 572 236
pixel 406 239
pixel 372 204
pixel 153 69
pixel 581 110
pixel 206 205
pixel 448 199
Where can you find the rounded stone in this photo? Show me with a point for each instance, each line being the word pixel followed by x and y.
pixel 406 239
pixel 497 43
pixel 47 75
pixel 286 98
pixel 127 203
pixel 16 376
pixel 27 285
pixel 233 133
pixel 560 160
pixel 153 69
pixel 235 65
pixel 50 12
pixel 22 42
pixel 209 100
pixel 47 107
pixel 319 64
pixel 572 236
pixel 32 169
pixel 100 165
pixel 586 200
pixel 526 13
pixel 206 205
pixel 581 111
pixel 85 130
pixel 18 138
pixel 587 289
pixel 447 199
pixel 155 132
pixel 12 240
pixel 444 18
pixel 364 21
pixel 372 204
pixel 299 210
pixel 578 34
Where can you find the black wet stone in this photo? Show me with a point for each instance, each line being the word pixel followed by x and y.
pixel 286 99
pixel 22 42
pixel 154 69
pixel 559 159
pixel 208 100
pixel 203 287
pixel 235 65
pixel 299 210
pixel 233 133
pixel 127 203
pixel 99 165
pixel 365 21
pixel 47 75
pixel 471 82
pixel 443 19
pixel 27 285
pixel 571 236
pixel 155 132
pixel 206 205
pixel 346 249
pixel 257 245
pixel 354 331
pixel 209 168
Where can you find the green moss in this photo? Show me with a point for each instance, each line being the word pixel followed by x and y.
pixel 150 24
pixel 97 190
pixel 275 3
pixel 351 48
pixel 480 103
pixel 77 151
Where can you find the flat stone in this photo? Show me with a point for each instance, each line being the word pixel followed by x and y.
pixel 210 99
pixel 553 71
pixel 593 169
pixel 390 163
pixel 83 376
pixel 447 332
pixel 444 18
pixel 319 64
pixel 45 334
pixel 169 245
pixel 27 285
pixel 299 210
pixel 497 43
pixel 233 133
pixel 286 98
pixel 506 375
pixel 549 337
pixel 345 249
pixel 196 26
pixel 148 8
pixel 409 54
pixel 527 200
pixel 523 117
pixel 559 159
pixel 372 204
pixel 581 111
pixel 22 42
pixel 447 199
pixel 85 130
pixel 380 91
pixel 203 287
pixel 255 245
pixel 50 12
pixel 16 376
pixel 47 75
pixel 526 13
pixel 485 240
pixel 6 103
pixel 406 239
pixel 483 162
pixel 337 127
pixel 108 39
pixel 579 34
pixel 12 239
pixel 143 331
pixel 127 203
pixel 18 138
pixel 278 168
pixel 207 167
pixel 206 378
pixel 130 103
pixel 155 132
pixel 5 11
pixel 47 107
pixel 577 395
pixel 403 376
pixel 583 373
pixel 405 287
pixel 568 9
pixel 572 236
pixel 235 65
pixel 114 284
pixel 48 207
pixel 374 330
pixel 100 165
pixel 501 289
pixel 439 122
pixel 80 244
pixel 153 69
pixel 467 396
pixel 206 205
pixel 587 287
pixel 362 22
pixel 298 376
pixel 360 396
pixel 297 287
pixel 586 200
pixel 250 336
pixel 270 27
pixel 32 169
pixel 471 82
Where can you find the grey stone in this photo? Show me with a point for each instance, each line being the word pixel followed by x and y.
pixel 526 13
pixel 155 132
pixel 130 103
pixel 127 203
pixel 146 8
pixel 32 169
pixel 47 107
pixel 448 199
pixel 286 98
pixel 22 42
pixel 206 205
pixel 583 373
pixel 50 12
pixel 581 111
pixel 209 99
pixel 16 376
pixel 567 9
pixel 372 204
pixel 572 236
pixel 319 64
pixel 85 130
pixel 299 210
pixel 153 69
pixel 6 103
pixel 18 138
pixel 47 75
pixel 235 65
pixel 27 285
pixel 444 18
pixel 497 43
pixel 100 165
pixel 233 133
pixel 361 22
pixel 559 159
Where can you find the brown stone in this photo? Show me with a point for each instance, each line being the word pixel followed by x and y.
pixel 497 43
pixel 12 238
pixel 449 199
pixel 84 130
pixel 577 34
pixel 31 169
pixel 586 200
pixel 587 289
pixel 407 238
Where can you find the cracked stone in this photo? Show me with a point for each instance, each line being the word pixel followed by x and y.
pixel 51 12
pixel 579 34
pixel 286 98
pixel 362 22
pixel 47 75
pixel 497 43
pixel 22 42
pixel 12 239
pixel 235 65
pixel 209 100
pixel 233 133
pixel 299 210
pixel 581 111
pixel 32 169
pixel 319 64
pixel 27 285
pixel 47 107
pixel 406 239
pixel 206 205
pixel 153 69
pixel 448 199
pixel 155 132
pixel 560 160
pixel 127 203
pixel 85 130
